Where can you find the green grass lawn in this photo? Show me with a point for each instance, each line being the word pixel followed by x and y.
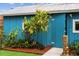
pixel 14 53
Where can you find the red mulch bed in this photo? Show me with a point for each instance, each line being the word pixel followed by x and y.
pixel 37 51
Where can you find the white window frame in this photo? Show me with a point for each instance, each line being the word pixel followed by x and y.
pixel 74 21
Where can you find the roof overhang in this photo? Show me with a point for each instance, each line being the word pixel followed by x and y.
pixel 30 10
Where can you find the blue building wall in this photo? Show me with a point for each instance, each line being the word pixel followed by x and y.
pixel 56 29
pixel 11 23
pixel 72 36
pixel 54 34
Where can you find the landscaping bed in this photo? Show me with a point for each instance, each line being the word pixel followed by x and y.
pixel 27 50
pixel 74 48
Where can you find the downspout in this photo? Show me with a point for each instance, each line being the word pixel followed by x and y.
pixel 66 24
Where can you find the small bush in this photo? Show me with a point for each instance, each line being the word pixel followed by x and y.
pixel 33 44
pixel 20 43
pixel 10 39
pixel 75 46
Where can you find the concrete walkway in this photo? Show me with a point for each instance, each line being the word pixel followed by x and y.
pixel 54 52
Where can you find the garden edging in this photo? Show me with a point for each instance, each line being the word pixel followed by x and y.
pixel 27 50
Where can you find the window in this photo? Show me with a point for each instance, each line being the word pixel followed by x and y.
pixel 75 26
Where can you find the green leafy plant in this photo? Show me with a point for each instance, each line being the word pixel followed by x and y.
pixel 75 46
pixel 20 43
pixel 34 45
pixel 35 24
pixel 10 39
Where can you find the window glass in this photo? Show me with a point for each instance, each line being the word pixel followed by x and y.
pixel 77 25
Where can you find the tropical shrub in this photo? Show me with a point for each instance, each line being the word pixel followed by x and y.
pixel 75 46
pixel 35 24
pixel 34 44
pixel 10 39
pixel 20 43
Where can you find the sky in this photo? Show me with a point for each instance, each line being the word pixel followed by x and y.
pixel 4 6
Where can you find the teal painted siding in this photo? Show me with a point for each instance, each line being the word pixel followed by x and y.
pixel 56 29
pixel 11 23
pixel 72 36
